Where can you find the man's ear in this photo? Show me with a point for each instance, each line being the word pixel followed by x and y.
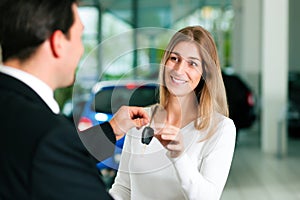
pixel 56 42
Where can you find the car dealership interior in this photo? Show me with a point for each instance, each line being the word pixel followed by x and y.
pixel 258 45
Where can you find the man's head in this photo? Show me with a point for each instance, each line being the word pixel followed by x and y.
pixel 46 34
pixel 25 24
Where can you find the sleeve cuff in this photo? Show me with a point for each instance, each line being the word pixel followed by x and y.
pixel 108 131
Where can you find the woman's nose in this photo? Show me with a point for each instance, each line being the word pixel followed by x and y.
pixel 180 66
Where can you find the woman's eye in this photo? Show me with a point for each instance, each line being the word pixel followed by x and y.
pixel 192 63
pixel 174 58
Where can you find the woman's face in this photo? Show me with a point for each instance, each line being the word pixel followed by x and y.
pixel 183 69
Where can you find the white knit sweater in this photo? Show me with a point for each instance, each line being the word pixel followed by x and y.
pixel 146 172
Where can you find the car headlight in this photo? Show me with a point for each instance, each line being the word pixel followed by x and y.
pixel 101 117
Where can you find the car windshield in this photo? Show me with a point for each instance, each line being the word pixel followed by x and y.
pixel 110 99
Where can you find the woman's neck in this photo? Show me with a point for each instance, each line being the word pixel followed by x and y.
pixel 181 110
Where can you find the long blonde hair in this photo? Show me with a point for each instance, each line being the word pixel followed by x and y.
pixel 210 91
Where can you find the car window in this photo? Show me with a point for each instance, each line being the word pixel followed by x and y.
pixel 110 99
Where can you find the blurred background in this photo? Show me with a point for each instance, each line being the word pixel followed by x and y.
pixel 258 43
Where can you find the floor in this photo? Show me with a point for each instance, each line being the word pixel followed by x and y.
pixel 255 175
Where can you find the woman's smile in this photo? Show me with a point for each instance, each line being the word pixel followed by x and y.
pixel 177 80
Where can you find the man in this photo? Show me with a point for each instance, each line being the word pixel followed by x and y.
pixel 41 155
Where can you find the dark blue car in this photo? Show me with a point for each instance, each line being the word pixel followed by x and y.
pixel 106 98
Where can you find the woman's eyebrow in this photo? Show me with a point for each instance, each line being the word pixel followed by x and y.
pixel 192 58
pixel 174 52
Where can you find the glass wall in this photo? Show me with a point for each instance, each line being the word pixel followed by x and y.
pixel 103 39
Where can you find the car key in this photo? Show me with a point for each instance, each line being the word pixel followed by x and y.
pixel 148 132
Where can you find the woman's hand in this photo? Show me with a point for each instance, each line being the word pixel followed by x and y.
pixel 171 138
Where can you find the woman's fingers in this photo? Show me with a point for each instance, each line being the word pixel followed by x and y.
pixel 175 149
pixel 171 138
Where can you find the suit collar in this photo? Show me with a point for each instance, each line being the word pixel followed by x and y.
pixel 40 87
pixel 12 84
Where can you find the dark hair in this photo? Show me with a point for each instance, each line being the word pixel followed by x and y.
pixel 26 24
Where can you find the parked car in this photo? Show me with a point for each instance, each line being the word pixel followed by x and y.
pixel 241 101
pixel 106 98
pixel 293 112
pixel 73 108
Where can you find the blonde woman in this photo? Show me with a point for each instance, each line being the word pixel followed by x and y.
pixel 192 149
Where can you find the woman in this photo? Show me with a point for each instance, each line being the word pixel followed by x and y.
pixel 192 149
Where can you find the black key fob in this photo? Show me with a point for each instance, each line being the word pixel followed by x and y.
pixel 148 132
pixel 147 135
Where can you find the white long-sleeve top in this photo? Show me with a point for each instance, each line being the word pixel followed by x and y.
pixel 146 172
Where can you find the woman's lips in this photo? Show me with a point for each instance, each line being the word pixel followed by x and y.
pixel 178 80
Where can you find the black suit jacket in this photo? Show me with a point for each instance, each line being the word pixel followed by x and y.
pixel 41 155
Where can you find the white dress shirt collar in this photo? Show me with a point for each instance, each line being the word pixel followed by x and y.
pixel 41 88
